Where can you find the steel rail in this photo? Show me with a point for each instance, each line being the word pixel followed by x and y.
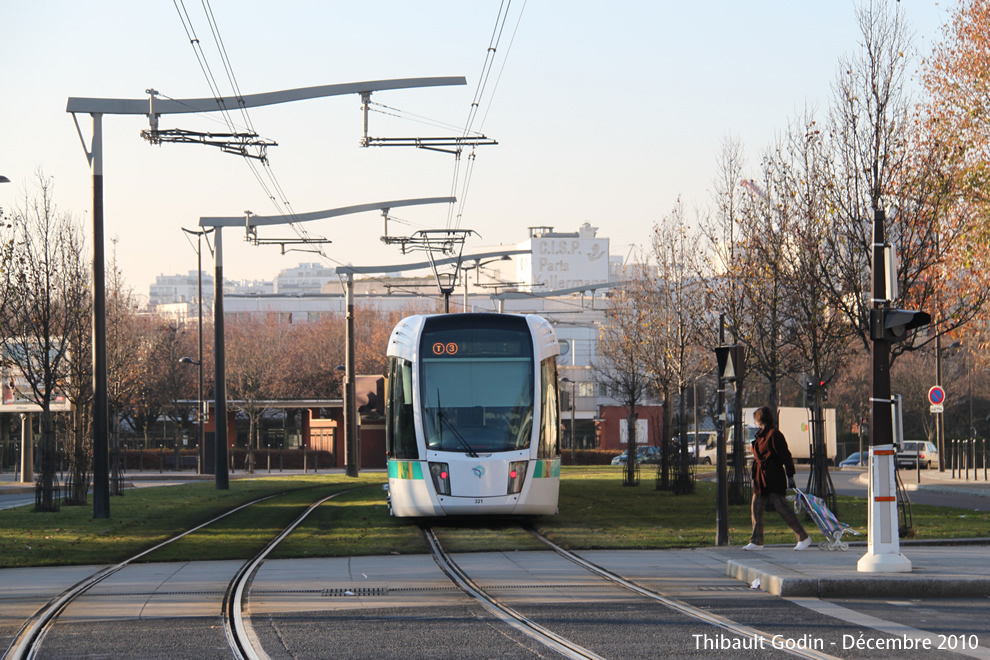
pixel 240 636
pixel 683 608
pixel 503 612
pixel 28 640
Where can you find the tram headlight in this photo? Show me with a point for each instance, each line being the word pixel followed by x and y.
pixel 441 478
pixel 517 474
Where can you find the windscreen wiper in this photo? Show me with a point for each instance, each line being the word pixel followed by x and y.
pixel 441 419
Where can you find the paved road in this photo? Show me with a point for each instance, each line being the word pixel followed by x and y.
pixel 383 607
pixel 935 490
pixel 404 607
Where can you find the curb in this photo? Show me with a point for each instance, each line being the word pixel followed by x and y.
pixel 786 583
pixel 947 490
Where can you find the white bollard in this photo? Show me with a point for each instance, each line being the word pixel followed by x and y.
pixel 883 553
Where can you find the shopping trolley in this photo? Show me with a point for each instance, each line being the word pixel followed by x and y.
pixel 827 523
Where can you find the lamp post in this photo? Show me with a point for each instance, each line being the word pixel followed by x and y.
pixel 565 379
pixel 199 414
pixel 202 451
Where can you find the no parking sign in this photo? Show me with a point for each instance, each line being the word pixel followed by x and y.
pixel 936 397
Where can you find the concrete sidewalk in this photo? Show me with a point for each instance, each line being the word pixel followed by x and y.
pixel 937 571
pixel 956 568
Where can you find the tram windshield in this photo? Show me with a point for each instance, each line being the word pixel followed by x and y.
pixel 477 384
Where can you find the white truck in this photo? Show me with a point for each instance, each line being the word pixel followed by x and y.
pixel 794 423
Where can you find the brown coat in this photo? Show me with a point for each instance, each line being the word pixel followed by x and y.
pixel 772 463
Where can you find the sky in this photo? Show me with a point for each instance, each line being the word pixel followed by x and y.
pixel 604 112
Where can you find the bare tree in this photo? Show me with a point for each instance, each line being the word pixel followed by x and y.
pixel 124 339
pixel 314 353
pixel 766 276
pixel 819 335
pixel 256 356
pixel 722 230
pixel 676 302
pixel 79 390
pixel 883 160
pixel 47 298
pixel 146 400
pixel 620 366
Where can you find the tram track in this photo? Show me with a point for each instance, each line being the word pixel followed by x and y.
pixel 28 641
pixel 673 603
pixel 240 636
pixel 569 648
pixel 244 643
pixel 503 612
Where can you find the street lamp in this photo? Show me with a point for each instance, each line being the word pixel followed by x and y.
pixel 202 421
pixel 565 379
pixel 202 452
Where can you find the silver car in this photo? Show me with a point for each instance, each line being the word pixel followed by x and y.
pixel 917 453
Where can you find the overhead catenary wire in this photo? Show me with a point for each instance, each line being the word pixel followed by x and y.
pixel 501 70
pixel 503 12
pixel 268 182
pixel 204 65
pixel 454 219
pixel 413 117
pixel 208 10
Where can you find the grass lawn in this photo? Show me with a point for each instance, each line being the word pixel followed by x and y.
pixel 596 511
pixel 144 517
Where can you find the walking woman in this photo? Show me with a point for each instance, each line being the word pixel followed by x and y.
pixel 773 473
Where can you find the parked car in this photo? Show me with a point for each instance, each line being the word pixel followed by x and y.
pixel 644 454
pixel 854 459
pixel 913 453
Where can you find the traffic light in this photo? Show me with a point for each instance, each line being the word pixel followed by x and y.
pixel 893 324
pixel 731 361
pixel 815 393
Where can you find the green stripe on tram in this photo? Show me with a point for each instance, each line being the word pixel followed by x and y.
pixel 546 468
pixel 405 470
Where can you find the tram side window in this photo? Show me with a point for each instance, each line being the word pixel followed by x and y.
pixel 549 409
pixel 400 430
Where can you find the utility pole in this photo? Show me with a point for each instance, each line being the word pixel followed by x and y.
pixel 251 222
pixel 153 109
pixel 352 443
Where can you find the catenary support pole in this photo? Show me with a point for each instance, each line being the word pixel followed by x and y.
pixel 101 456
pixel 352 444
pixel 219 384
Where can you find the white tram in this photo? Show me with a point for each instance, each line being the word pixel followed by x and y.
pixel 473 416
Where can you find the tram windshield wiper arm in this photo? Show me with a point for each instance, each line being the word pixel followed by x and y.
pixel 442 419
